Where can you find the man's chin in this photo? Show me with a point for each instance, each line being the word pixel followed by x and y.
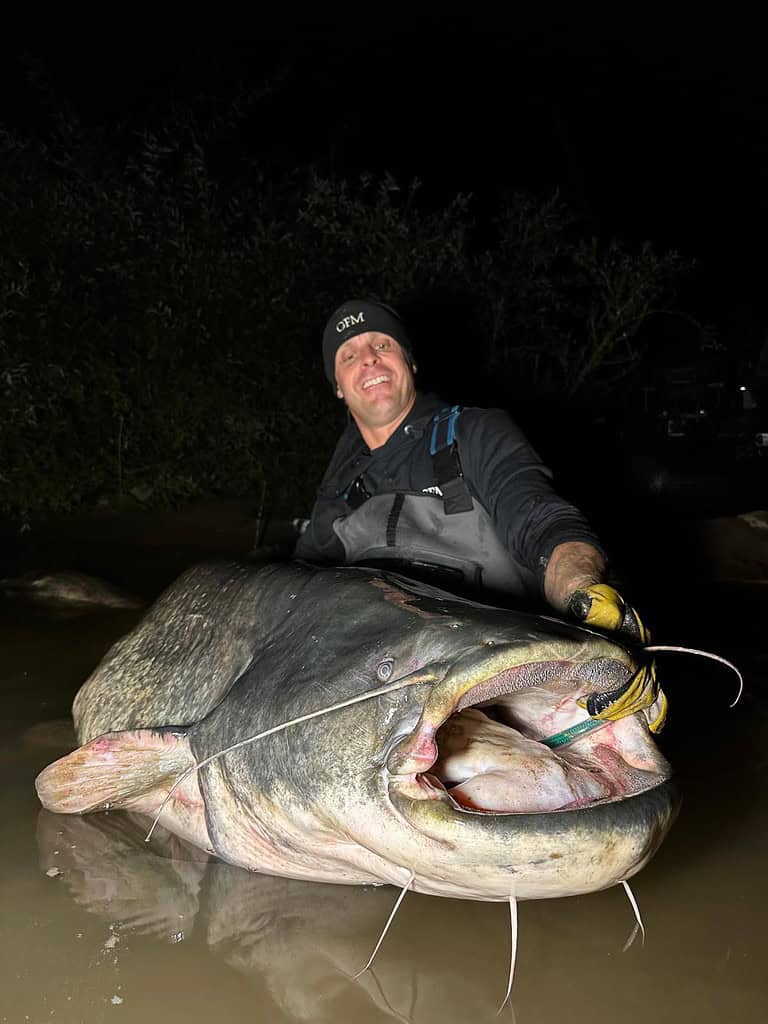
pixel 382 405
pixel 380 411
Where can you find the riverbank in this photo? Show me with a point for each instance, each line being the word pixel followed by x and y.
pixel 142 549
pixel 735 548
pixel 145 549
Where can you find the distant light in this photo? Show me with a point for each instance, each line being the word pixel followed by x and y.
pixel 742 388
pixel 702 412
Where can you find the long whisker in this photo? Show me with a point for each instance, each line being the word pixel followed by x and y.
pixel 513 950
pixel 393 1011
pixel 632 936
pixel 703 654
pixel 638 918
pixel 390 919
pixel 397 685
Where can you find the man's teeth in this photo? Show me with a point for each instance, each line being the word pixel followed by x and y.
pixel 374 380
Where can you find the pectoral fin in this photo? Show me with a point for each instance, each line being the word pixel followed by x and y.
pixel 117 769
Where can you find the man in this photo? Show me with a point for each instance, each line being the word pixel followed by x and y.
pixel 456 496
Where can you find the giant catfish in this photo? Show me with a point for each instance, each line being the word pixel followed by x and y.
pixel 438 774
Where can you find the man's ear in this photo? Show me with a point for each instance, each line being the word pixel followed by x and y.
pixel 338 392
pixel 414 368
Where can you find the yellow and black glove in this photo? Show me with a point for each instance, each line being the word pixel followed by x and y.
pixel 604 608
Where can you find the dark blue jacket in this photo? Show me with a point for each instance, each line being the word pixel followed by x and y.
pixel 501 468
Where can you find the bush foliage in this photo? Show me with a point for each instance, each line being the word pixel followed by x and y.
pixel 160 318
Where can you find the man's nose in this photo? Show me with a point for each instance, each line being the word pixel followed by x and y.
pixel 371 356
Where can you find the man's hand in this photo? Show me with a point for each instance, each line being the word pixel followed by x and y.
pixel 604 608
pixel 572 584
pixel 640 693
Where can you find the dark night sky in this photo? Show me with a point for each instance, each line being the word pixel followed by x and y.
pixel 649 130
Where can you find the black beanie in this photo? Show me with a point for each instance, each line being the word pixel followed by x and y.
pixel 357 316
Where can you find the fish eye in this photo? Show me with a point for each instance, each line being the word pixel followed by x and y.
pixel 384 669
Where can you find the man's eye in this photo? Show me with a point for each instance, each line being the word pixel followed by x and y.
pixel 383 344
pixel 347 357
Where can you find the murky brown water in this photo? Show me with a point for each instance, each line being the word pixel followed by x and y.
pixel 98 926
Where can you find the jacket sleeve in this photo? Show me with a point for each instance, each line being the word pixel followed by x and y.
pixel 515 487
pixel 319 543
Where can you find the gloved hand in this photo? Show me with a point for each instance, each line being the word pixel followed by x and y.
pixel 604 608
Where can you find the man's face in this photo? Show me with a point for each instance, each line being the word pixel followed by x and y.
pixel 375 379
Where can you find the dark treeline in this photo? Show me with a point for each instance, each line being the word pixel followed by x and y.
pixel 162 299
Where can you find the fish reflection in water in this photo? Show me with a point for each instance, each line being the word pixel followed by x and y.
pixel 304 941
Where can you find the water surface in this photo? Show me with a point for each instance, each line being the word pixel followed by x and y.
pixel 98 926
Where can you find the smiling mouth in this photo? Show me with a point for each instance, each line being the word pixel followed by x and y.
pixel 373 381
pixel 488 755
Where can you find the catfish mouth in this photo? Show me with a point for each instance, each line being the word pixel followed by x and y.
pixel 481 748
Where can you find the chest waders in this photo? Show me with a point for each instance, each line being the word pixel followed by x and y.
pixel 447 538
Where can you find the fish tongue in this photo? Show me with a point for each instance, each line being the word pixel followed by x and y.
pixel 486 765
pixel 530 788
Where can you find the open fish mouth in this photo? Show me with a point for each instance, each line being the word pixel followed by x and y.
pixel 481 743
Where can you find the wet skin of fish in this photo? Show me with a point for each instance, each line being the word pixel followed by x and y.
pixel 444 775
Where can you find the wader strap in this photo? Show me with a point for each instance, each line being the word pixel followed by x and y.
pixel 394 515
pixel 446 465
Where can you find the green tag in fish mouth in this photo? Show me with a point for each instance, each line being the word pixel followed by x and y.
pixel 560 739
